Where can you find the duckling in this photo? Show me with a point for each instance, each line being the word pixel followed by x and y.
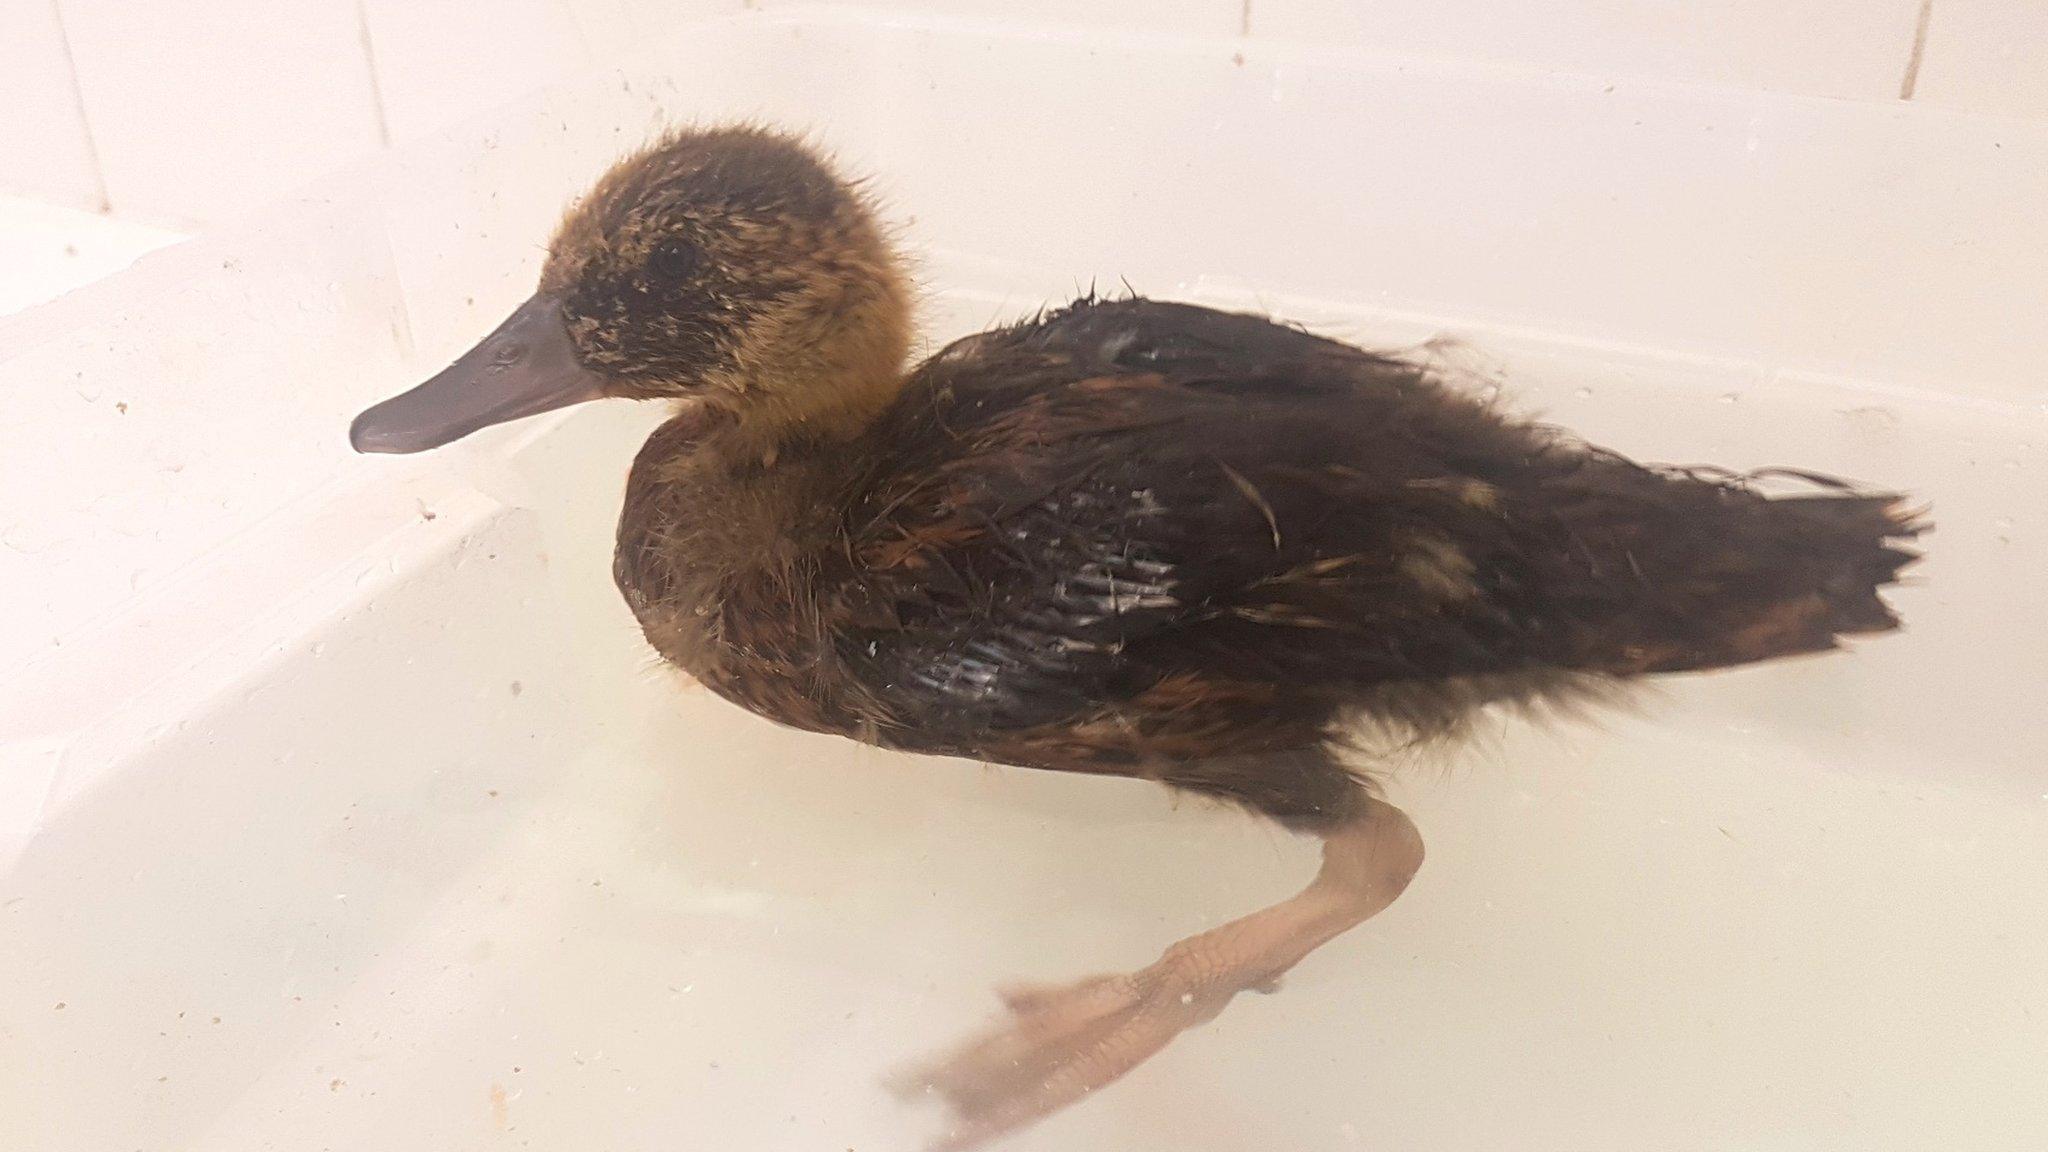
pixel 1126 537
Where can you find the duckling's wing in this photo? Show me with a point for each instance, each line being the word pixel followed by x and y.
pixel 1162 517
pixel 1068 513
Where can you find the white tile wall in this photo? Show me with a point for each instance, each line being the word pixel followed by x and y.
pixel 44 150
pixel 200 109
pixel 1987 56
pixel 1854 49
pixel 652 22
pixel 203 109
pixel 439 61
pixel 606 26
pixel 1204 17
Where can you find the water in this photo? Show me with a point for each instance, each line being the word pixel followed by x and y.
pixel 605 908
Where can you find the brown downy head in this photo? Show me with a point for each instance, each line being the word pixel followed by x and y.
pixel 731 268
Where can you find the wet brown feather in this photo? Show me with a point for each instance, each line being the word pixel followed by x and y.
pixel 1133 537
pixel 1170 565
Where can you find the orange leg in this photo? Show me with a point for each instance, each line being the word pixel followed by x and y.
pixel 1061 1043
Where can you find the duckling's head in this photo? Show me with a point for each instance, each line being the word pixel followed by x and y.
pixel 730 267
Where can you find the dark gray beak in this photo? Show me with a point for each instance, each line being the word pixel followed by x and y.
pixel 526 367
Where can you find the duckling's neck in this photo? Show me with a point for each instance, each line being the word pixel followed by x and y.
pixel 740 500
pixel 799 408
pixel 822 373
pixel 752 482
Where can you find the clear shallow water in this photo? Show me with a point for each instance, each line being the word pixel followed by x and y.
pixel 701 928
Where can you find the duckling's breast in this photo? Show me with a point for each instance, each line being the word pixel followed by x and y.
pixel 719 562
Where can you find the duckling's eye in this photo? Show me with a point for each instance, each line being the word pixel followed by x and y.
pixel 674 259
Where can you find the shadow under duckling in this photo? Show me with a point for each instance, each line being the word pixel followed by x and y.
pixel 1127 537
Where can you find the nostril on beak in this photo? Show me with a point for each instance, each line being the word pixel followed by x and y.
pixel 526 367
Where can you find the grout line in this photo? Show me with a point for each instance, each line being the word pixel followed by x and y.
pixel 92 146
pixel 1911 79
pixel 1244 18
pixel 376 85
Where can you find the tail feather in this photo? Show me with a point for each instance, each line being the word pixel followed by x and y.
pixel 1867 539
pixel 1841 550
